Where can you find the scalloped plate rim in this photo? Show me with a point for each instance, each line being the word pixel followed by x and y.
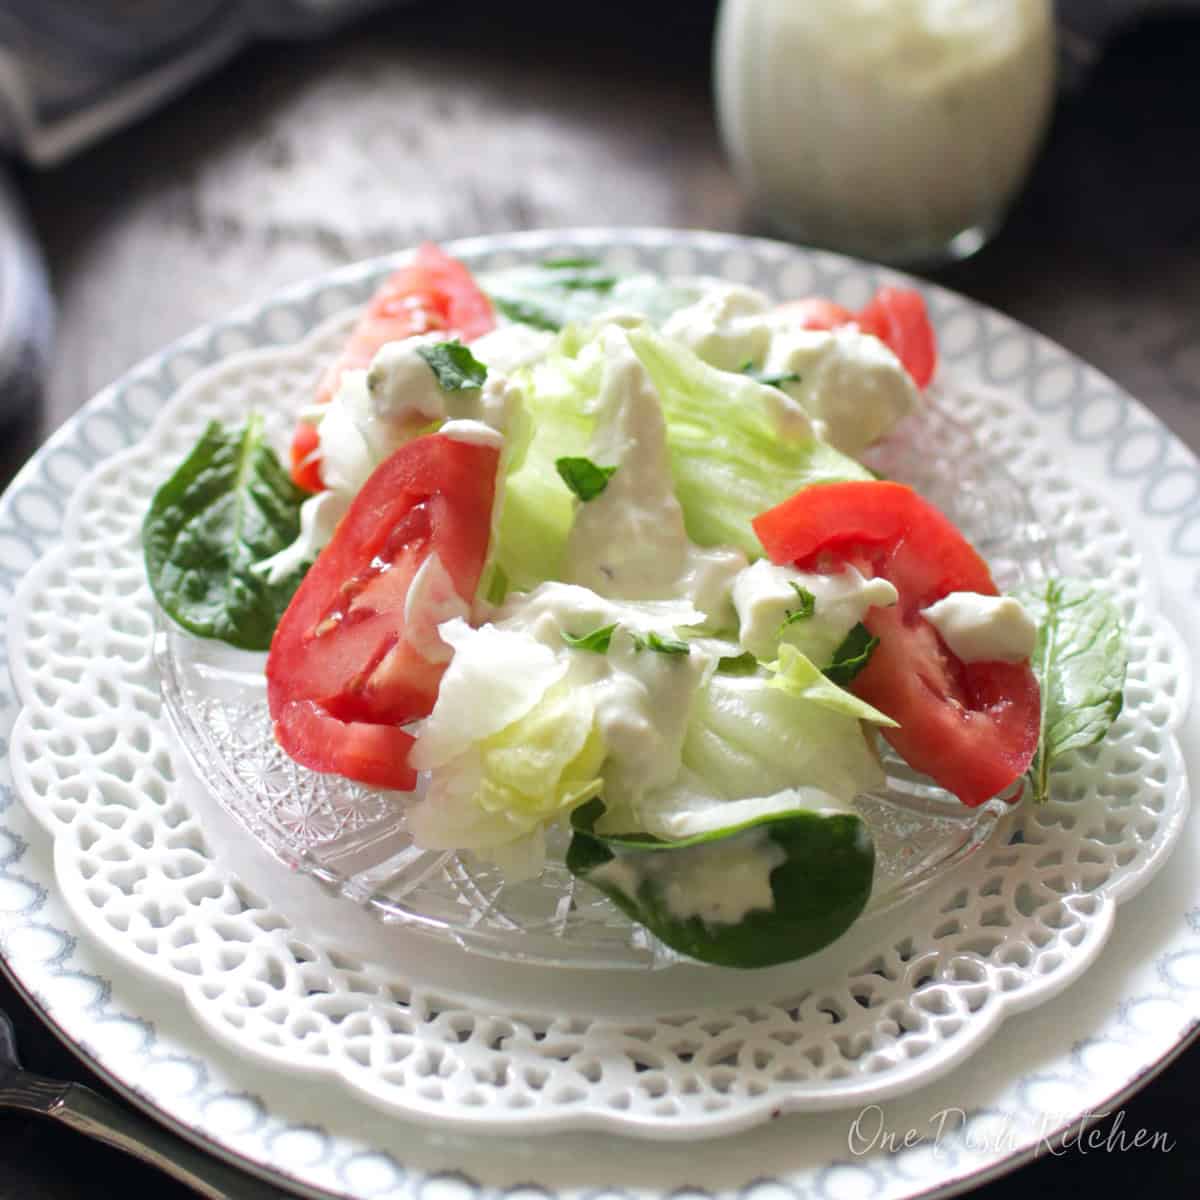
pixel 516 243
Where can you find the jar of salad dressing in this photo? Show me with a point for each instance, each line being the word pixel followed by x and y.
pixel 898 130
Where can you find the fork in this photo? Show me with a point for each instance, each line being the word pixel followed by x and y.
pixel 80 1108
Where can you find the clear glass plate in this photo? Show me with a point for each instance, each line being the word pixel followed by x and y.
pixel 355 839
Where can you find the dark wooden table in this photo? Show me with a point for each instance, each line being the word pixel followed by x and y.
pixel 449 119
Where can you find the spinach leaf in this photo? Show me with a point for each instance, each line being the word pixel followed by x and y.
pixel 456 368
pixel 1080 661
pixel 229 505
pixel 820 883
pixel 851 656
pixel 583 477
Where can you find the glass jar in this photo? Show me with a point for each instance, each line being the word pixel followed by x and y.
pixel 897 130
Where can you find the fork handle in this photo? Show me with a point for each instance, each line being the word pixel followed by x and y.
pixel 82 1109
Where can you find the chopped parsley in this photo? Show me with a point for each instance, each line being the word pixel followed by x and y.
pixel 776 381
pixel 584 477
pixel 660 644
pixel 526 312
pixel 804 610
pixel 598 641
pixel 456 368
pixel 579 275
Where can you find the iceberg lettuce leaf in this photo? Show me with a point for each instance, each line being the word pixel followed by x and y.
pixel 499 795
pixel 764 748
pixel 795 673
pixel 538 508
pixel 737 446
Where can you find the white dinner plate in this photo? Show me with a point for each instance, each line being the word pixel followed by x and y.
pixel 1117 490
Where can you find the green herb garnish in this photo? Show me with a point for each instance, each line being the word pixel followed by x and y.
pixel 579 275
pixel 456 368
pixel 776 381
pixel 584 477
pixel 527 312
pixel 660 644
pixel 804 610
pixel 598 641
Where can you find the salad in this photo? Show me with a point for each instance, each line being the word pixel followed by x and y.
pixel 564 547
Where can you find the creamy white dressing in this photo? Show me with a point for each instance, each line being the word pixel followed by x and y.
pixel 507 348
pixel 629 542
pixel 376 411
pixel 554 608
pixel 642 697
pixel 678 823
pixel 642 702
pixel 725 327
pixel 473 433
pixel 719 882
pixel 764 595
pixel 849 381
pixel 402 386
pixel 850 388
pixel 981 628
pixel 353 442
pixel 884 127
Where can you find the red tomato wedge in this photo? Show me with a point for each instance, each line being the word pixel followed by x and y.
pixel 341 674
pixel 972 727
pixel 432 292
pixel 897 316
pixel 813 312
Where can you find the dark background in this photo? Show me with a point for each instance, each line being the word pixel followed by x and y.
pixel 450 119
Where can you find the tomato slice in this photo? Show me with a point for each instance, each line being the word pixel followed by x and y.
pixel 341 674
pixel 432 292
pixel 897 316
pixel 814 312
pixel 972 727
pixel 306 458
pixel 376 755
